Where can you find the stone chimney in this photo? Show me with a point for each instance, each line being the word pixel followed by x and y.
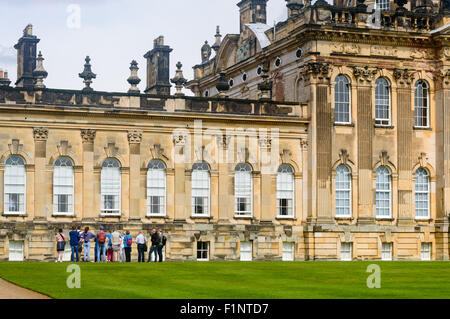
pixel 158 61
pixel 26 57
pixel 252 11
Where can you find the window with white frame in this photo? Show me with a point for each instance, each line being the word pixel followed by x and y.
pixel 203 251
pixel 382 102
pixel 343 192
pixel 156 188
pixel 246 251
pixel 200 189
pixel 383 191
pixel 383 5
pixel 422 194
pixel 386 251
pixel 421 104
pixel 342 100
pixel 16 251
pixel 288 252
pixel 346 251
pixel 63 186
pixel 243 190
pixel 285 191
pixel 426 251
pixel 111 187
pixel 14 185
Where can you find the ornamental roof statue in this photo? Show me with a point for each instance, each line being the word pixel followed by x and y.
pixel 206 52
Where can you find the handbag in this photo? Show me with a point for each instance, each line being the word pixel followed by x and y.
pixel 145 247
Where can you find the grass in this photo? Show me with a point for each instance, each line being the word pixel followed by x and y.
pixel 231 280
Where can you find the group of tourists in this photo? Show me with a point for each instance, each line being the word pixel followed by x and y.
pixel 112 246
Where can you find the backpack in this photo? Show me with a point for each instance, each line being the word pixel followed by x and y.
pixel 129 240
pixel 101 237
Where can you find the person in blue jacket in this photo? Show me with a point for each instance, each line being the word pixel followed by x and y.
pixel 74 240
pixel 127 242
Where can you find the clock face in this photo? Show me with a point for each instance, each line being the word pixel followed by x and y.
pixel 243 52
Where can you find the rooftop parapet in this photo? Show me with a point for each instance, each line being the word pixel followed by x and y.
pixel 157 103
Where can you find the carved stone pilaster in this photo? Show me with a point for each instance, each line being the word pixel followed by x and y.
pixel 134 136
pixel 364 74
pixel 40 133
pixel 88 136
pixel 404 77
pixel 316 72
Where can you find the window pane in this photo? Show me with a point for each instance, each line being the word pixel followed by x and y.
pixel 243 190
pixel 63 185
pixel 342 100
pixel 14 185
pixel 343 191
pixel 200 189
pixel 382 102
pixel 422 194
pixel 156 188
pixel 383 192
pixel 111 186
pixel 285 191
pixel 421 107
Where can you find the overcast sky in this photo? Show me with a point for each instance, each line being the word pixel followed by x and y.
pixel 114 32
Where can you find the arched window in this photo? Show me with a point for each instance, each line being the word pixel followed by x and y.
pixel 200 189
pixel 383 192
pixel 422 193
pixel 342 100
pixel 156 188
pixel 111 187
pixel 243 190
pixel 63 181
pixel 383 5
pixel 343 196
pixel 421 104
pixel 15 185
pixel 285 191
pixel 382 102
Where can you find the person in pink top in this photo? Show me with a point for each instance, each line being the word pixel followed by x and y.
pixel 60 245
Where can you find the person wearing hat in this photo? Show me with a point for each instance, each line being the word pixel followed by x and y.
pixel 101 242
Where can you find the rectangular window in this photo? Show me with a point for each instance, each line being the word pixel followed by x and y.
pixel 386 253
pixel 346 251
pixel 426 251
pixel 288 252
pixel 202 251
pixel 246 251
pixel 16 251
pixel 110 204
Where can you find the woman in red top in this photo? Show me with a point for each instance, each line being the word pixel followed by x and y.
pixel 60 245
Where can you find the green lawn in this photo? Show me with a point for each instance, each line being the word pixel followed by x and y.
pixel 229 280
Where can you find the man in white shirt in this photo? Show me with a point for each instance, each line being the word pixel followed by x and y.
pixel 141 245
pixel 116 240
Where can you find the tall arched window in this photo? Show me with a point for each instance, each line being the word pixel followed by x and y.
pixel 243 190
pixel 15 185
pixel 383 192
pixel 63 181
pixel 285 191
pixel 111 187
pixel 421 104
pixel 342 100
pixel 382 102
pixel 343 195
pixel 383 5
pixel 422 193
pixel 156 188
pixel 200 189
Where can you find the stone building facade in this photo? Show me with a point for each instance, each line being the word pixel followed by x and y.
pixel 324 138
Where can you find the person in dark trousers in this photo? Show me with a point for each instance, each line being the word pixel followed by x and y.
pixel 141 242
pixel 156 239
pixel 161 245
pixel 127 242
pixel 74 240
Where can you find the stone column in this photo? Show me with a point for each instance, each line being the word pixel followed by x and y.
pixel 88 212
pixel 268 197
pixel 134 140
pixel 306 201
pixel 443 116
pixel 405 120
pixel 226 201
pixel 179 172
pixel 40 143
pixel 365 77
pixel 316 76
